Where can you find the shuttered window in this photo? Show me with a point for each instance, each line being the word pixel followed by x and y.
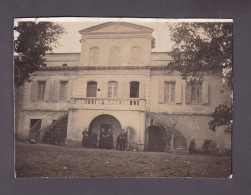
pixel 196 93
pixel 63 90
pixel 169 92
pixel 41 90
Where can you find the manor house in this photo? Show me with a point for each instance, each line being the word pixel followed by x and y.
pixel 116 82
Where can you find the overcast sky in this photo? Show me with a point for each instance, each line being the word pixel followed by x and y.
pixel 69 42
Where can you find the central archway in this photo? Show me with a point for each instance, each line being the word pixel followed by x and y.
pixel 105 122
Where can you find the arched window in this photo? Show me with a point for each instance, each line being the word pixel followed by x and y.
pixel 135 55
pixel 112 89
pixel 114 55
pixel 91 89
pixel 93 56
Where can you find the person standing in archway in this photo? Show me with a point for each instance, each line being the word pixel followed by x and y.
pixel 102 139
pixel 85 139
pixel 109 139
pixel 94 139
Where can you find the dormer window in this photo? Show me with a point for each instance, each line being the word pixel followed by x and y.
pixel 135 55
pixel 114 55
pixel 93 56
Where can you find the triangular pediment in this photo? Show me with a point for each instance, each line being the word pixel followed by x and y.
pixel 116 27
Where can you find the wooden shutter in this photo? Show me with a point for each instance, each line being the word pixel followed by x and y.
pixel 56 89
pixel 188 93
pixel 74 87
pixel 47 90
pixel 205 92
pixel 161 91
pixel 34 91
pixel 68 91
pixel 141 89
pixel 178 92
pixel 126 89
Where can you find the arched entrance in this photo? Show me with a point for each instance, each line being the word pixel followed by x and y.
pixel 154 139
pixel 104 123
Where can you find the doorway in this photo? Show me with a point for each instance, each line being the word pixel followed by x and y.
pixel 154 139
pixel 35 126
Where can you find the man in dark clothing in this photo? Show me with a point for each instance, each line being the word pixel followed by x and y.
pixel 102 139
pixel 122 141
pixel 85 140
pixel 109 139
pixel 94 139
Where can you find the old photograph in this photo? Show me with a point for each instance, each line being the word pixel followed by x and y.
pixel 123 97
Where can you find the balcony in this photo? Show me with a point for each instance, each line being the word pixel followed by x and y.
pixel 135 104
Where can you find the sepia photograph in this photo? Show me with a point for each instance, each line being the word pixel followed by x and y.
pixel 123 97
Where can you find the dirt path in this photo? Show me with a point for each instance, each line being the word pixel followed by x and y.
pixel 38 160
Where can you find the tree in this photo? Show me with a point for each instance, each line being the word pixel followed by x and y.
pixel 31 45
pixel 201 48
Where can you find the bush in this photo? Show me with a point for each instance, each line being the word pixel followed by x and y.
pixel 192 147
pixel 209 147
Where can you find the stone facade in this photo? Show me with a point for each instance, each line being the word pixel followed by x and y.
pixel 117 80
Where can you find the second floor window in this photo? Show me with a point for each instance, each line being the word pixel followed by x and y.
pixel 41 90
pixel 112 89
pixel 196 92
pixel 63 90
pixel 114 55
pixel 93 56
pixel 91 89
pixel 169 92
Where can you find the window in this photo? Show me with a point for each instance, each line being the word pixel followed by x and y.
pixel 41 90
pixel 91 89
pixel 112 89
pixel 63 90
pixel 93 56
pixel 134 89
pixel 135 55
pixel 114 55
pixel 169 92
pixel 196 93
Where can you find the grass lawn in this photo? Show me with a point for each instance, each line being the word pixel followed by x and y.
pixel 40 160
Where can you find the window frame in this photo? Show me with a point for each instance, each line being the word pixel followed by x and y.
pixel 198 99
pixel 170 90
pixel 95 59
pixel 65 92
pixel 41 94
pixel 113 89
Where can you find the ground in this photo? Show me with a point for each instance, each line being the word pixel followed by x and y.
pixel 41 160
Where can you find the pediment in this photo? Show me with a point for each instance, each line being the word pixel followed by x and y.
pixel 116 27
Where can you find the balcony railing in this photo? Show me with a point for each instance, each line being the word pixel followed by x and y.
pixel 108 103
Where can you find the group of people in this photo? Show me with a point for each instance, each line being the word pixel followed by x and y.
pixel 105 140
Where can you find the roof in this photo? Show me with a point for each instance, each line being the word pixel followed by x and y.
pixel 107 24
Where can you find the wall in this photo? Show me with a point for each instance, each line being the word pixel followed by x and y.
pixel 79 119
pixel 125 43
pixel 214 98
pixel 23 130
pixel 58 59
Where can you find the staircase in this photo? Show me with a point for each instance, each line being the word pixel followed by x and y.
pixel 179 143
pixel 56 133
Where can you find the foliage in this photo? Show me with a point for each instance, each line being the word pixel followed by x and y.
pixel 209 147
pixel 222 116
pixel 33 41
pixel 201 47
pixel 192 148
